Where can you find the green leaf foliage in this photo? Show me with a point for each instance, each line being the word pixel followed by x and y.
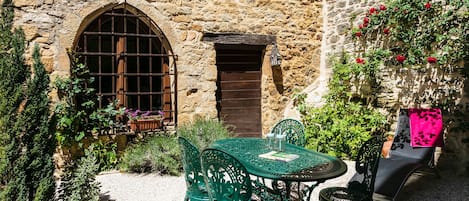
pixel 339 128
pixel 347 118
pixel 161 154
pixel 202 132
pixel 76 105
pixel 158 154
pixel 79 180
pixel 79 117
pixel 26 144
pixel 29 153
pixel 13 75
pixel 106 154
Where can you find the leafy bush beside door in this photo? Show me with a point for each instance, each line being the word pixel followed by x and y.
pixel 346 120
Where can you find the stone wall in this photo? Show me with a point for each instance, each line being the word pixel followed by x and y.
pixel 297 25
pixel 405 87
pixel 304 45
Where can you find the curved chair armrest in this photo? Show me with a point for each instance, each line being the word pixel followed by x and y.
pixel 392 175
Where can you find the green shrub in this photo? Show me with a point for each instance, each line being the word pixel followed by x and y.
pixel 106 155
pixel 79 182
pixel 202 132
pixel 348 118
pixel 158 154
pixel 161 154
pixel 341 127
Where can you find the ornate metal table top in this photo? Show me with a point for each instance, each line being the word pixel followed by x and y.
pixel 310 166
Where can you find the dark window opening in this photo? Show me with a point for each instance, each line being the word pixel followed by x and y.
pixel 129 62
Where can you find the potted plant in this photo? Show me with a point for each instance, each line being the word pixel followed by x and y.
pixel 144 121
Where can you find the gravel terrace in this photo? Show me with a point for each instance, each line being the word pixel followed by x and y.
pixel 117 186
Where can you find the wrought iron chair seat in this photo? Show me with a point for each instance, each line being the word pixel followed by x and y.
pixel 294 130
pixel 227 179
pixel 366 165
pixel 196 187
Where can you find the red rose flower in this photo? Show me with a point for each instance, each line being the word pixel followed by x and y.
pixel 382 7
pixel 432 60
pixel 360 26
pixel 386 31
pixel 428 5
pixel 372 10
pixel 366 20
pixel 360 60
pixel 400 58
pixel 358 34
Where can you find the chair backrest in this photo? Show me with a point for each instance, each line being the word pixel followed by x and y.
pixel 367 162
pixel 192 168
pixel 226 178
pixel 401 143
pixel 294 130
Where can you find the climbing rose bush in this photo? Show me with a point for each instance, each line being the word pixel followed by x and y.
pixel 414 33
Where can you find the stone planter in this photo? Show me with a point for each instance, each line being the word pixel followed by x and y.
pixel 146 124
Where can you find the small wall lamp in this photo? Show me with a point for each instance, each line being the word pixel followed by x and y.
pixel 275 57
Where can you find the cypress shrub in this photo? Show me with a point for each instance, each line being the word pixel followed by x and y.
pixel 27 143
pixel 33 143
pixel 13 74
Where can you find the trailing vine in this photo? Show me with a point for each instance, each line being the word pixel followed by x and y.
pixel 79 119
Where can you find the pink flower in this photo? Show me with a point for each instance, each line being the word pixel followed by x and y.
pixel 428 5
pixel 358 34
pixel 372 10
pixel 432 60
pixel 360 60
pixel 400 58
pixel 386 31
pixel 382 7
pixel 366 20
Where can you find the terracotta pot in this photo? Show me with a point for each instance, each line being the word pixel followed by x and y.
pixel 145 124
pixel 387 146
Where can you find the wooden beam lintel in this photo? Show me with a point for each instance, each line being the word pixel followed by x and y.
pixel 239 38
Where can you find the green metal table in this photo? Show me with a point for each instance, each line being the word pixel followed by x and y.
pixel 310 166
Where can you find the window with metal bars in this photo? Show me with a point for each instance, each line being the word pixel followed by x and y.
pixel 129 59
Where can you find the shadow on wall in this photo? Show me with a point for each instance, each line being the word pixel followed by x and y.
pixel 446 88
pixel 277 75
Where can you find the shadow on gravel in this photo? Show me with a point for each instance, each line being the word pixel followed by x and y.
pixel 428 187
pixel 105 197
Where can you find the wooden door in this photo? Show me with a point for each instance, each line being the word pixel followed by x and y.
pixel 239 88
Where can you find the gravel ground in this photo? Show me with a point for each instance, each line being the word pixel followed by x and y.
pixel 117 186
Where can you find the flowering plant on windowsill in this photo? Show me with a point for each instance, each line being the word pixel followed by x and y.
pixel 144 121
pixel 134 115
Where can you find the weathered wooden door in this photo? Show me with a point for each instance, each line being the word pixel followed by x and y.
pixel 239 88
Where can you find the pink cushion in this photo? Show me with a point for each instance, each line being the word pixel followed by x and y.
pixel 426 126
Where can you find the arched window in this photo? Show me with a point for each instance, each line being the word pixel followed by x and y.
pixel 130 60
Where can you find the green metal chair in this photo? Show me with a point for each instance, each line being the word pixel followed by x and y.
pixel 367 164
pixel 196 187
pixel 226 178
pixel 294 130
